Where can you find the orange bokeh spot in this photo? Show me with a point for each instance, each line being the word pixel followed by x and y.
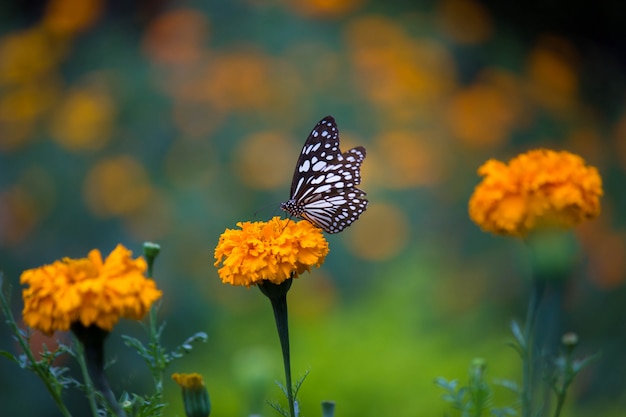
pixel 29 82
pixel 22 106
pixel 553 73
pixel 465 21
pixel 117 186
pixel 380 234
pixel 26 102
pixel 67 17
pixel 410 159
pixel 28 55
pixel 85 118
pixel 405 76
pixel 25 204
pixel 605 249
pixel 266 161
pixel 177 37
pixel 18 215
pixel 484 114
pixel 324 8
pixel 238 81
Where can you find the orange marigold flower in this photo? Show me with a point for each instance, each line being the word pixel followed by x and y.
pixel 275 251
pixel 540 188
pixel 87 290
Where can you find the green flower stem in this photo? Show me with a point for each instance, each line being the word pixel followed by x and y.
pixel 569 341
pixel 328 409
pixel 278 297
pixel 92 340
pixel 151 251
pixel 89 389
pixel 279 305
pixel 560 400
pixel 529 361
pixel 40 371
pixel 553 255
pixel 155 343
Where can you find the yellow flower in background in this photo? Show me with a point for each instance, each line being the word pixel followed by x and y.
pixel 70 17
pixel 540 188
pixel 117 186
pixel 85 118
pixel 465 21
pixel 89 290
pixel 325 9
pixel 275 251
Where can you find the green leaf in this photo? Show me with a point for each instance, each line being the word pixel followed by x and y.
pixel 445 384
pixel 580 364
pixel 278 408
pixel 9 356
pixel 519 335
pixel 504 412
pixel 508 384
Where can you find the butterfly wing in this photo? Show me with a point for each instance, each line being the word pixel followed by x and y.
pixel 323 189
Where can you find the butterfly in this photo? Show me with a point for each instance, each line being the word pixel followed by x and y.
pixel 323 189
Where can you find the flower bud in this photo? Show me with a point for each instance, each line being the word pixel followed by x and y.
pixel 195 395
pixel 569 340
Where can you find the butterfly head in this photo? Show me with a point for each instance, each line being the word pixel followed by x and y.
pixel 291 207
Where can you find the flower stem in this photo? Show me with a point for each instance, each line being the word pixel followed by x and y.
pixel 328 408
pixel 92 340
pixel 279 305
pixel 529 360
pixel 278 297
pixel 43 373
pixel 89 389
pixel 559 403
pixel 151 251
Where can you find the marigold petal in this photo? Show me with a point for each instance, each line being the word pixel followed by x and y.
pixel 89 290
pixel 540 188
pixel 275 250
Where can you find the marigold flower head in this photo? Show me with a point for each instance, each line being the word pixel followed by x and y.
pixel 537 189
pixel 275 251
pixel 89 290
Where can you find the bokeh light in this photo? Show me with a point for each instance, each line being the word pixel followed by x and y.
pixel 116 186
pixel 129 121
pixel 265 160
pixel 84 119
pixel 384 224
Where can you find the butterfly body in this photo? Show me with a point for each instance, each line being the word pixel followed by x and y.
pixel 323 189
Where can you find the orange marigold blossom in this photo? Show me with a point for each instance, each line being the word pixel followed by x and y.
pixel 89 290
pixel 274 251
pixel 538 189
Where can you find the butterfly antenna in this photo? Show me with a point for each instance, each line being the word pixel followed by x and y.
pixel 287 224
pixel 256 213
pixel 263 208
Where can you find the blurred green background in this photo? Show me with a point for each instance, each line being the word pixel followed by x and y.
pixel 170 121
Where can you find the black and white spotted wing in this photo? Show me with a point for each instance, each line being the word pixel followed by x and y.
pixel 323 189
